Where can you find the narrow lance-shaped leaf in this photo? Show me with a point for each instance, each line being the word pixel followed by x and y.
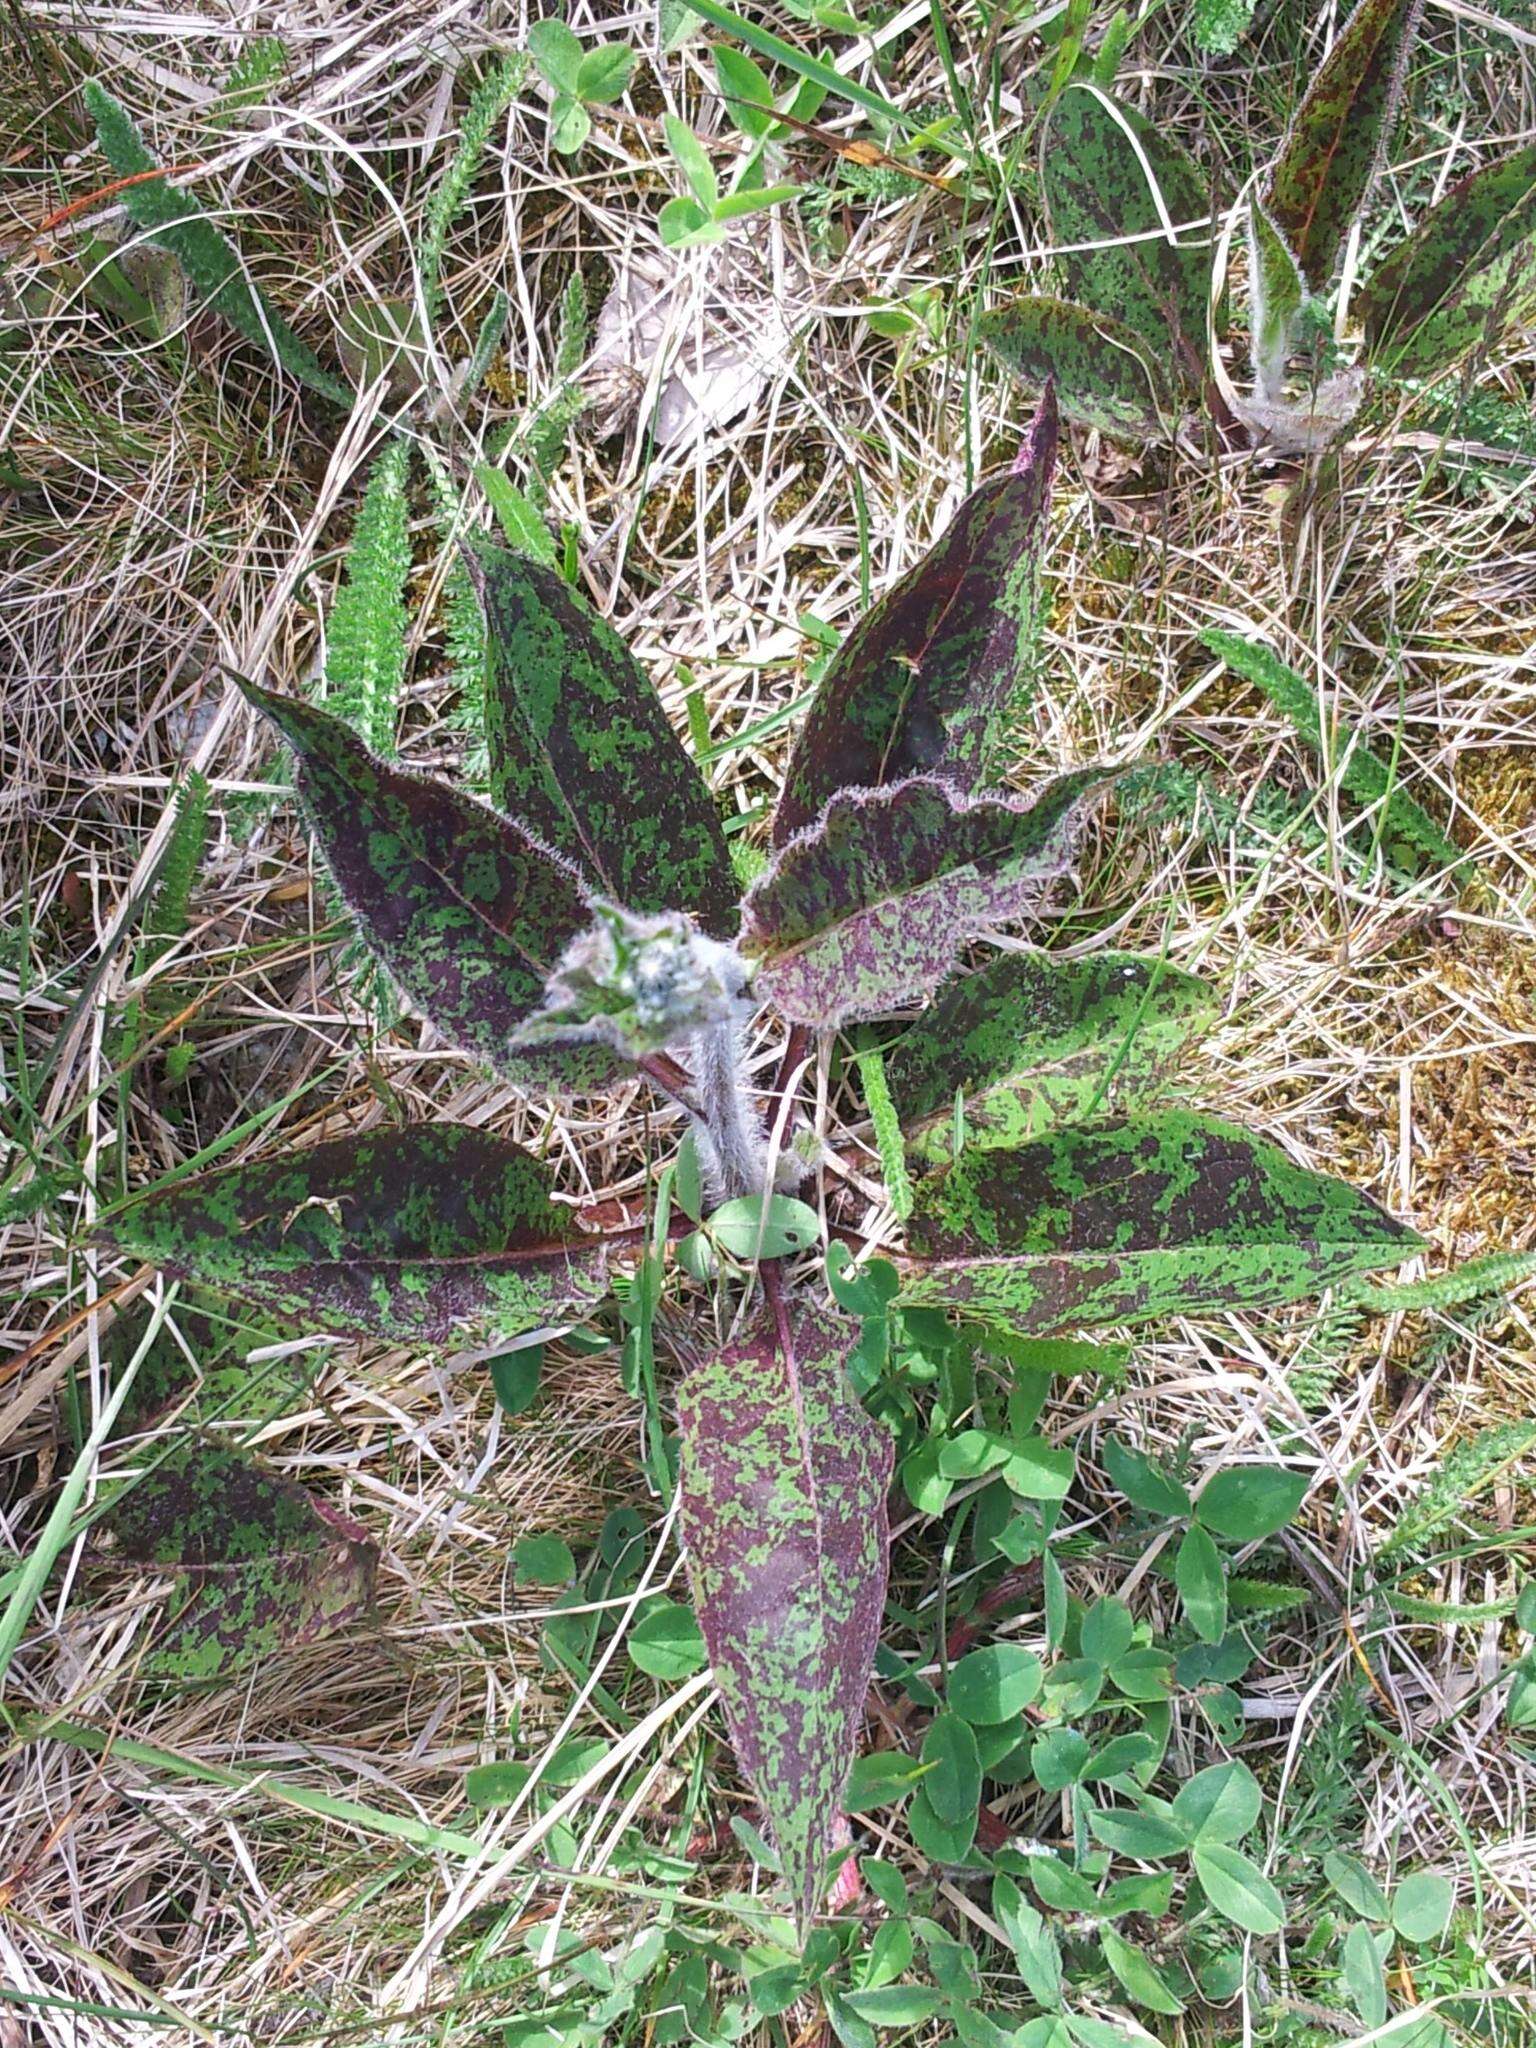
pixel 581 749
pixel 1104 169
pixel 917 686
pixel 868 909
pixel 417 1235
pixel 1324 173
pixel 1033 1040
pixel 782 1490
pixel 1276 292
pixel 468 913
pixel 176 221
pixel 1120 1222
pixel 1467 271
pixel 1360 771
pixel 261 1565
pixel 1102 374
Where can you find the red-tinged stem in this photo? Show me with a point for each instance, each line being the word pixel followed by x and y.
pixel 773 1287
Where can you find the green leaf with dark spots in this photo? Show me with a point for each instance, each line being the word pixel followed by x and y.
pixel 1325 170
pixel 583 753
pixel 1121 1222
pixel 1466 273
pixel 415 1235
pixel 260 1564
pixel 466 911
pixel 868 909
pixel 1102 374
pixel 1034 1040
pixel 917 686
pixel 1109 176
pixel 783 1483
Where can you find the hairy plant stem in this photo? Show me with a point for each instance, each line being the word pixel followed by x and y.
pixel 731 1144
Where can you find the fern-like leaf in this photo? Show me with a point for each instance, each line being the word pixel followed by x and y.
pixel 365 650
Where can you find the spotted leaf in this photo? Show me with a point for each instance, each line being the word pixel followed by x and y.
pixel 1102 375
pixel 1110 177
pixel 259 1564
pixel 917 686
pixel 1033 1040
pixel 581 748
pixel 1328 163
pixel 1468 271
pixel 1120 1222
pixel 782 1488
pixel 868 909
pixel 416 1235
pixel 467 912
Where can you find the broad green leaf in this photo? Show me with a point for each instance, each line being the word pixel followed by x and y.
pixel 1061 1888
pixel 693 160
pixel 917 686
pixel 1033 1943
pixel 1219 1804
pixel 744 87
pixel 1364 1978
pixel 1111 177
pixel 682 221
pixel 868 909
pixel 497 1784
pixel 952 1785
pixel 894 2005
pixel 557 50
pixel 941 1841
pixel 175 220
pixel 994 1684
pixel 1421 1906
pixel 1276 293
pixel 1145 1484
pixel 1149 1837
pixel 782 1491
pixel 1037 1470
pixel 569 124
pixel 1249 1502
pixel 666 1642
pixel 415 1235
pixel 1198 1574
pixel 583 753
pixel 1143 1982
pixel 465 910
pixel 881 1778
pixel 1102 375
pixel 1107 1630
pixel 758 1227
pixel 1033 1040
pixel 1143 1674
pixel 1372 780
pixel 1058 1757
pixel 515 1378
pixel 603 74
pixel 1237 1888
pixel 259 1564
pixel 1340 133
pixel 543 1561
pixel 1170 1214
pixel 1354 1885
pixel 1467 272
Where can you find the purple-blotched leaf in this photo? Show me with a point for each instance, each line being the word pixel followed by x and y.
pixel 1467 271
pixel 867 910
pixel 467 912
pixel 917 686
pixel 1102 374
pixel 782 1490
pixel 1111 178
pixel 1120 1222
pixel 261 1565
pixel 1033 1040
pixel 415 1235
pixel 581 748
pixel 1324 173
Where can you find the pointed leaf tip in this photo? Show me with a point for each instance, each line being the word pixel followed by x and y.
pixel 1037 450
pixel 782 1492
pixel 918 685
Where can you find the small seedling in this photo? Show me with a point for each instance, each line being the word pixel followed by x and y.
pixel 579 78
pixel 584 930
